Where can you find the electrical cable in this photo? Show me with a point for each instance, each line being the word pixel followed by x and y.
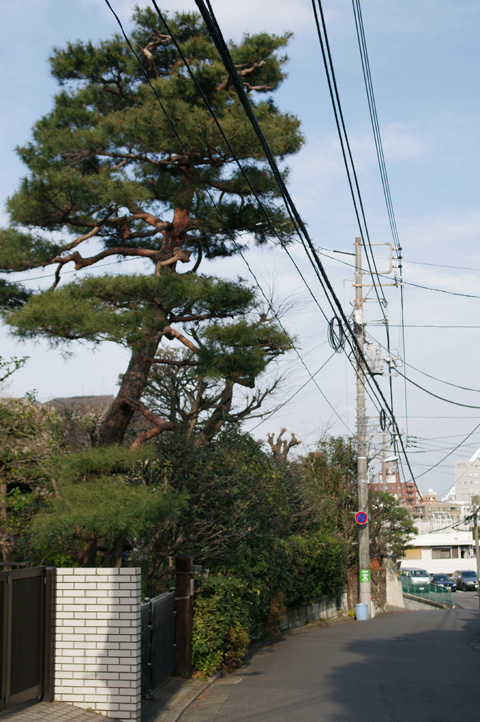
pixel 290 204
pixel 242 170
pixel 183 145
pixel 447 383
pixel 449 454
pixel 434 378
pixel 269 414
pixel 436 438
pixel 403 283
pixel 345 147
pixel 217 37
pixel 454 525
pixel 362 44
pixel 232 151
pixel 215 31
pixel 433 325
pixel 212 25
pixel 443 265
pixel 440 290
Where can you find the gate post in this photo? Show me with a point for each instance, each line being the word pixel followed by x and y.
pixel 184 614
pixel 49 648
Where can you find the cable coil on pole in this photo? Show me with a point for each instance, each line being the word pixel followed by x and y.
pixel 336 334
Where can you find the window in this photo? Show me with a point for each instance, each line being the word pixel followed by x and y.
pixel 441 552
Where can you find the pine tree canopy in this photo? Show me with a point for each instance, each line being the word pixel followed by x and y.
pixel 115 172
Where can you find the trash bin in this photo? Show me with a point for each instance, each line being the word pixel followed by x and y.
pixel 361 612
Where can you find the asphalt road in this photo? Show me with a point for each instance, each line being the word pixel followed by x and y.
pixel 466 600
pixel 400 667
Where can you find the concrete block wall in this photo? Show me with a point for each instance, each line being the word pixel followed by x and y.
pixel 97 641
pixel 326 608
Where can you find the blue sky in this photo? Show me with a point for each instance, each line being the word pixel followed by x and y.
pixel 424 63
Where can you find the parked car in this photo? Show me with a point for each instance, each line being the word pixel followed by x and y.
pixel 443 580
pixel 466 580
pixel 420 578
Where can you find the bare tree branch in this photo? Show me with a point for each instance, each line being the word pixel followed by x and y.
pixel 281 447
pixel 159 426
pixel 172 333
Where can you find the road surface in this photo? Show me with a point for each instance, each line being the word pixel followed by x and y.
pixel 400 667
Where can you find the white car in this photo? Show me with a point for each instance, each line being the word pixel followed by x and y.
pixel 420 578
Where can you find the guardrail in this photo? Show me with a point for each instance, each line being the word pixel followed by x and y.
pixel 432 592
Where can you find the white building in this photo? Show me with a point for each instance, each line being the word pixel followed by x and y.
pixel 444 552
pixel 467 480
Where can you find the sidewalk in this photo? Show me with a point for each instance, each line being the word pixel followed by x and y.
pixel 169 702
pixel 172 698
pixel 50 712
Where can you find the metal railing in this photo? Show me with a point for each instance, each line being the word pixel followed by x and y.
pixel 430 592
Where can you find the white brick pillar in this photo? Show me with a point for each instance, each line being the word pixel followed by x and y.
pixel 97 655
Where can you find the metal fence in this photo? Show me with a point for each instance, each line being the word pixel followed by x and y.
pixel 431 592
pixel 158 640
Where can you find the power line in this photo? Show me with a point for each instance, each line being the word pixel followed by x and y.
pixel 218 39
pixel 345 147
pixel 403 282
pixel 443 265
pixel 447 383
pixel 434 378
pixel 245 175
pixel 450 453
pixel 431 325
pixel 362 44
pixel 211 23
pixel 300 388
pixel 440 290
pixel 438 438
pixel 201 179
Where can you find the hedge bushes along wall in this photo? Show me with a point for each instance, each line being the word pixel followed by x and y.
pixel 235 606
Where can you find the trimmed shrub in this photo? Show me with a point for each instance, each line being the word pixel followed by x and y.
pixel 242 604
pixel 220 624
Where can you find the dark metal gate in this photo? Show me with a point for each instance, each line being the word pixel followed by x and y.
pixel 26 643
pixel 158 641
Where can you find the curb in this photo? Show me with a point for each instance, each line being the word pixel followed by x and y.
pixel 172 708
pixel 194 697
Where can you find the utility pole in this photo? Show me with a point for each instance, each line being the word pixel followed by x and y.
pixel 477 554
pixel 364 596
pixel 476 502
pixel 384 463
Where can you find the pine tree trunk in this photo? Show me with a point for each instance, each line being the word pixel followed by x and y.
pixel 120 414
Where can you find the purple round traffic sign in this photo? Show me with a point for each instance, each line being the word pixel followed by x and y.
pixel 361 517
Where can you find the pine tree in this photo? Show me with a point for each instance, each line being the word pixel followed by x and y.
pixel 116 173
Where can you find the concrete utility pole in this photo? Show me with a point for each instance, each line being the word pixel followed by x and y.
pixel 384 463
pixel 476 502
pixel 477 554
pixel 364 596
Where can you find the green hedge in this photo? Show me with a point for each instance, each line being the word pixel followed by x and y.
pixel 235 606
pixel 220 624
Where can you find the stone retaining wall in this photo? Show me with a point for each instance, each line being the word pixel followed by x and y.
pixel 326 608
